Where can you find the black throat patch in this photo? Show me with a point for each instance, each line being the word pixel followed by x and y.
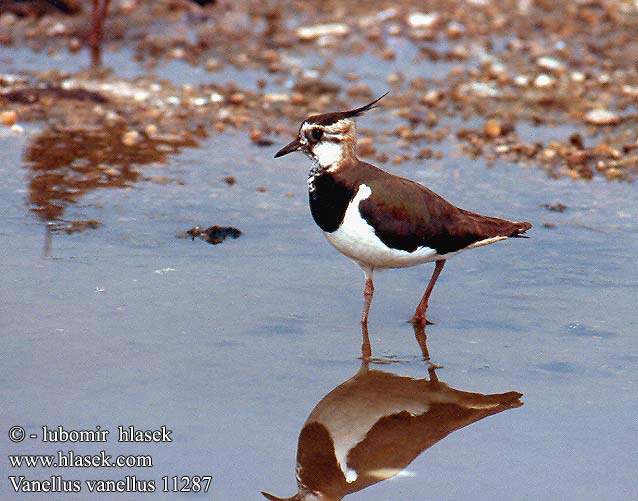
pixel 328 201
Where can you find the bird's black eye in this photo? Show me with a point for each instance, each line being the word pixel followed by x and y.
pixel 316 134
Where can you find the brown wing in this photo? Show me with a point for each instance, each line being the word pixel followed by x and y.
pixel 407 215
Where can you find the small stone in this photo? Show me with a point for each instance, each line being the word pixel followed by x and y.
pixel 601 117
pixel 322 30
pixel 425 153
pixel 177 53
pixel 151 130
pixel 423 20
pixel 257 137
pixel 75 45
pixel 8 118
pixel 577 76
pixel 577 141
pixel 605 150
pixel 455 30
pixel 365 147
pixel 237 98
pixel 270 56
pixel 276 98
pixel 261 189
pixel 549 63
pixel 432 97
pixel 614 173
pixel 394 30
pixel 394 78
pixel 131 138
pixel 543 80
pixel 492 129
pixel 388 54
pixel 631 90
pixel 230 180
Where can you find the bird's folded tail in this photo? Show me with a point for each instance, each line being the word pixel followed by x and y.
pixel 519 229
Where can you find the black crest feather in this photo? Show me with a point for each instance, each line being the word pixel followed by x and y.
pixel 335 116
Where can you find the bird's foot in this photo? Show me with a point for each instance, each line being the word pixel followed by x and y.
pixel 420 321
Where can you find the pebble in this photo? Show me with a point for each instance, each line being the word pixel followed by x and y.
pixel 151 130
pixel 432 97
pixel 388 54
pixel 631 90
pixel 8 118
pixel 276 98
pixel 213 64
pixel 601 117
pixel 131 137
pixel 578 76
pixel 492 129
pixel 543 80
pixel 423 20
pixel 394 30
pixel 308 33
pixel 237 98
pixel 549 63
pixel 455 30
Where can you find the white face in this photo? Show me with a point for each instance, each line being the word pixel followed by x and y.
pixel 326 150
pixel 327 153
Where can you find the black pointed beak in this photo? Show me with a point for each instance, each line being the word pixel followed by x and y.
pixel 289 148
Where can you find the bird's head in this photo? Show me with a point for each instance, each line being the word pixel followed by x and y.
pixel 328 139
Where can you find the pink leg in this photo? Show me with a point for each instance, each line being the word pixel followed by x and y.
pixel 366 348
pixel 419 314
pixel 367 294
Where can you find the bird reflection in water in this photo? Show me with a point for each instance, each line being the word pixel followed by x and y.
pixel 372 426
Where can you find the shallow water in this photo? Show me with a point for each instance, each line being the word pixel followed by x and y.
pixel 232 346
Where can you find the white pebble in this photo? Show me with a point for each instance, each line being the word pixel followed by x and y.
pixel 543 80
pixel 322 30
pixel 601 117
pixel 550 63
pixel 423 20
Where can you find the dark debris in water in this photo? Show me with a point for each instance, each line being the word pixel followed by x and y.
pixel 213 234
pixel 555 207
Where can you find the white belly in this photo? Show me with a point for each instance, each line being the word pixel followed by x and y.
pixel 356 239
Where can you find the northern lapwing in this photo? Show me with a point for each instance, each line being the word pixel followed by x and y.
pixel 380 220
